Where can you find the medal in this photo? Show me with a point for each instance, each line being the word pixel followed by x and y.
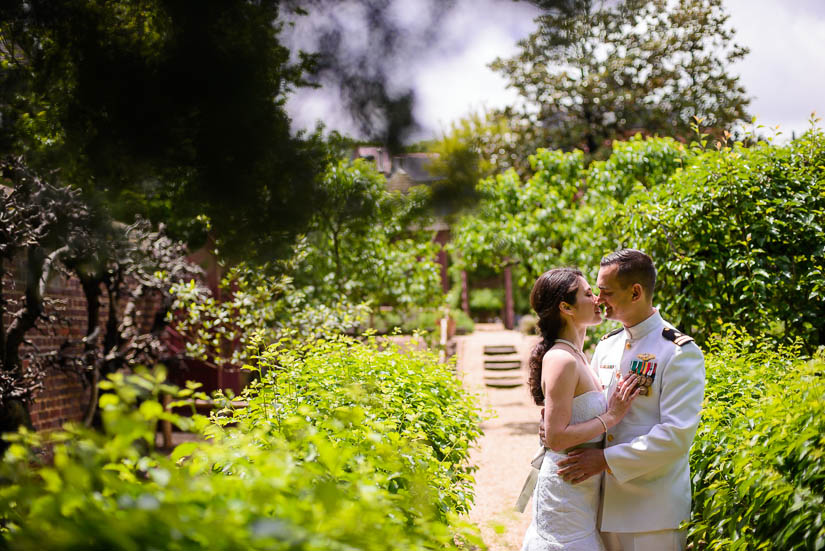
pixel 645 369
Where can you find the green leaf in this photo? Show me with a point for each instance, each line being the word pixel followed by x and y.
pixel 183 450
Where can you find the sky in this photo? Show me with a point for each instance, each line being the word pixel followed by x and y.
pixel 784 73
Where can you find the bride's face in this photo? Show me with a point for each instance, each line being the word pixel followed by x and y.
pixel 586 310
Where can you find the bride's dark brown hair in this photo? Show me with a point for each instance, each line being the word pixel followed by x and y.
pixel 549 291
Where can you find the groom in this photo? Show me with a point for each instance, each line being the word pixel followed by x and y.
pixel 647 486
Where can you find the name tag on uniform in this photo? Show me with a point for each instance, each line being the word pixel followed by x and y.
pixel 606 373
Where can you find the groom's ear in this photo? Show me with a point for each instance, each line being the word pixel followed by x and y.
pixel 637 293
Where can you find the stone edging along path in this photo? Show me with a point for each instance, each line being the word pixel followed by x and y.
pixel 510 436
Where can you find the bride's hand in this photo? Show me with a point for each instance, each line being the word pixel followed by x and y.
pixel 620 401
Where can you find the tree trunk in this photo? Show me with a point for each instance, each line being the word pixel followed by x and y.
pixel 159 322
pixel 2 315
pixel 336 251
pixel 509 311
pixel 590 137
pixel 91 290
pixel 26 318
pixel 465 293
pixel 91 408
pixel 15 413
pixel 112 337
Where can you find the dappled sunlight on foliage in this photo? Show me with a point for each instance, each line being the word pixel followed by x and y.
pixel 341 445
pixel 759 455
pixel 736 232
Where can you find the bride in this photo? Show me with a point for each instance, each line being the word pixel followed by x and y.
pixel 576 412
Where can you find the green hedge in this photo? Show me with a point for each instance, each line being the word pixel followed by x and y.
pixel 343 445
pixel 359 392
pixel 737 233
pixel 421 321
pixel 759 457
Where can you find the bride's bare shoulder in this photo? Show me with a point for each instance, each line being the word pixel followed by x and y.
pixel 560 359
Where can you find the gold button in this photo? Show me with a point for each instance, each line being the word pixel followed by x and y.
pixel 627 345
pixel 610 438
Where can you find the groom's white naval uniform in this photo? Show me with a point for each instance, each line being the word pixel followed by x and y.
pixel 647 486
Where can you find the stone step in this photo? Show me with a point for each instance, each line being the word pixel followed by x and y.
pixel 503 382
pixel 499 375
pixel 503 357
pixel 495 350
pixel 502 365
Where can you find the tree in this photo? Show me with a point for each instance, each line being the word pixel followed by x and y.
pixel 163 109
pixel 597 71
pixel 475 147
pixel 742 244
pixel 160 109
pixel 370 244
pixel 136 267
pixel 353 194
pixel 736 232
pixel 50 229
pixel 523 223
pixel 365 247
pixel 37 221
pixel 174 113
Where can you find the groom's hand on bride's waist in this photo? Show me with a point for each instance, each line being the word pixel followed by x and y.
pixel 579 465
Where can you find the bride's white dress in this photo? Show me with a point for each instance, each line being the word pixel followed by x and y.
pixel 564 515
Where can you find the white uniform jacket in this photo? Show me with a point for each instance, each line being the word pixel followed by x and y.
pixel 648 485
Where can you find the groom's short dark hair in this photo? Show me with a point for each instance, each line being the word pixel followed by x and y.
pixel 633 267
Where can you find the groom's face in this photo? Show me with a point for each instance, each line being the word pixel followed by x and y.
pixel 615 299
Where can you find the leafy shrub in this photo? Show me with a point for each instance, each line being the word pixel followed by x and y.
pixel 736 232
pixel 759 457
pixel 428 321
pixel 385 322
pixel 257 300
pixel 422 321
pixel 368 243
pixel 486 300
pixel 738 237
pixel 358 391
pixel 463 323
pixel 341 447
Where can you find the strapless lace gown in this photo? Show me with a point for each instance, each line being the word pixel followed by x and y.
pixel 564 515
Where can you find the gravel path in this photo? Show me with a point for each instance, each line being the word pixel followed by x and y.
pixel 510 439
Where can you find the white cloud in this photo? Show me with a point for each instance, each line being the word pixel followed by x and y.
pixel 784 72
pixel 457 80
pixel 785 69
pixel 451 77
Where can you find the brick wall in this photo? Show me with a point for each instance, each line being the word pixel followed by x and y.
pixel 64 396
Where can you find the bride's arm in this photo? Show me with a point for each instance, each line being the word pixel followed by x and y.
pixel 559 378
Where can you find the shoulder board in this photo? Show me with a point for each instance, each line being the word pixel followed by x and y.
pixel 612 333
pixel 680 339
